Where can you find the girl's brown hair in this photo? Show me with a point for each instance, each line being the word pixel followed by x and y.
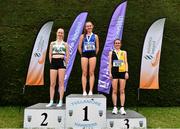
pixel 116 40
pixel 84 31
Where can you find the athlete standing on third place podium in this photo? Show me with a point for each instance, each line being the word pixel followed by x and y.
pixel 57 51
pixel 88 48
pixel 118 67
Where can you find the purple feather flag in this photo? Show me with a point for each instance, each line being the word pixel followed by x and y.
pixel 73 40
pixel 115 31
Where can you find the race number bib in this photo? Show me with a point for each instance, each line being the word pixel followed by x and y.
pixel 89 46
pixel 117 63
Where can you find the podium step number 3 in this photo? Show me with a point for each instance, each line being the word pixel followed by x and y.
pixel 132 120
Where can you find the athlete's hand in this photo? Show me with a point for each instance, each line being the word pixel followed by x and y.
pixel 110 76
pixel 96 52
pixel 66 63
pixel 80 52
pixel 126 75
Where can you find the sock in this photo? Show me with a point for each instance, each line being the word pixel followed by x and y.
pixel 51 101
pixel 60 101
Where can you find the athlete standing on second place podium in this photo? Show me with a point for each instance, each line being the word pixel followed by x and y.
pixel 57 51
pixel 118 67
pixel 88 48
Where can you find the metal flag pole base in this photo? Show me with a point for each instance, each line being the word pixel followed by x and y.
pixel 22 97
pixel 138 99
pixel 24 87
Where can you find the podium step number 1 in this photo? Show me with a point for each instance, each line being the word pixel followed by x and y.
pixel 85 112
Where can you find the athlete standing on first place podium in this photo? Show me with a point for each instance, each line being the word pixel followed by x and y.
pixel 118 67
pixel 88 48
pixel 57 51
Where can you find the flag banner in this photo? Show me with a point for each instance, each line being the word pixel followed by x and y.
pixel 149 75
pixel 73 41
pixel 35 75
pixel 115 31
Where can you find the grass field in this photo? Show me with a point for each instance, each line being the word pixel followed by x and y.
pixel 157 117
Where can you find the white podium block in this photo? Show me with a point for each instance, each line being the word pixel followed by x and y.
pixel 132 120
pixel 85 112
pixel 38 116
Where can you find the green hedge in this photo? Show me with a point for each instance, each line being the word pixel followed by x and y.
pixel 19 24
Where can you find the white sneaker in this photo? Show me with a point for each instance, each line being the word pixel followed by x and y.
pixel 59 104
pixel 122 111
pixel 115 110
pixel 90 93
pixel 50 103
pixel 84 93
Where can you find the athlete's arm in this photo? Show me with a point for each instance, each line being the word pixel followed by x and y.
pixel 50 52
pixel 97 44
pixel 110 64
pixel 126 64
pixel 125 61
pixel 67 53
pixel 80 44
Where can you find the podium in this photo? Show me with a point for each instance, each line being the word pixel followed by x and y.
pixel 38 116
pixel 81 112
pixel 132 120
pixel 85 112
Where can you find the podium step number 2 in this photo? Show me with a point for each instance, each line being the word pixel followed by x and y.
pixel 38 116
